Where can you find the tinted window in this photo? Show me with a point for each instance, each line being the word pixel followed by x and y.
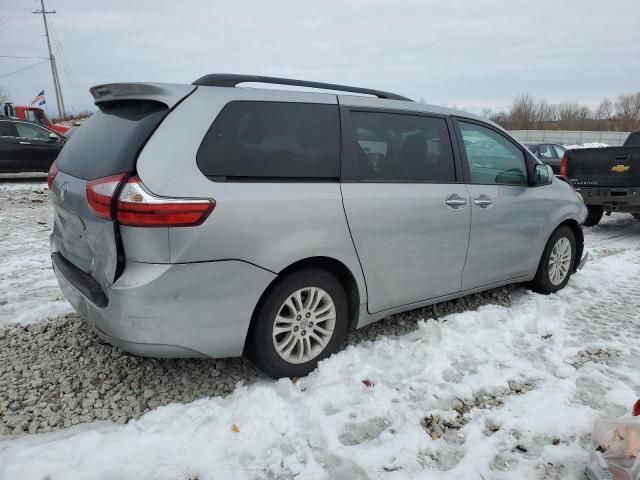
pixel 109 141
pixel 272 139
pixel 493 159
pixel 31 131
pixel 8 129
pixel 393 146
pixel 633 140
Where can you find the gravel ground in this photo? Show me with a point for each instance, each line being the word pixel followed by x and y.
pixel 59 373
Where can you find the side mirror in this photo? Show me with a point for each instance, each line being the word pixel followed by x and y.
pixel 53 137
pixel 542 174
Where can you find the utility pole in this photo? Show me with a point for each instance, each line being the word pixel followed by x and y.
pixel 52 60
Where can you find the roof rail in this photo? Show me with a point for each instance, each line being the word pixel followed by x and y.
pixel 232 80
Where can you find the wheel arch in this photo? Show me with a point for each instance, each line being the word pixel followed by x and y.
pixel 331 265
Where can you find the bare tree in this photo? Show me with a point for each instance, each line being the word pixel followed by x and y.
pixel 628 111
pixel 604 115
pixel 523 112
pixel 545 114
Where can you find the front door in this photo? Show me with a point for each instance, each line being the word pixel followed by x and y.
pixel 503 235
pixel 39 149
pixel 408 217
pixel 11 153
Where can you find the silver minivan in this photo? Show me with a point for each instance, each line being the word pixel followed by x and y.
pixel 212 220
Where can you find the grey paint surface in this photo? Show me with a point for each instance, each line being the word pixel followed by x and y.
pixel 165 310
pixel 192 291
pixel 84 239
pixel 508 237
pixel 412 245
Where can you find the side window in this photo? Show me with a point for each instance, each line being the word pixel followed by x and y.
pixel 493 159
pixel 31 131
pixel 272 139
pixel 400 147
pixel 30 115
pixel 8 129
pixel 547 152
pixel 559 150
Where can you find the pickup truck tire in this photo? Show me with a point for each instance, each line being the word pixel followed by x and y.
pixel 594 215
pixel 545 281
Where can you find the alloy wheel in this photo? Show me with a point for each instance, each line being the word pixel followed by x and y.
pixel 304 325
pixel 560 261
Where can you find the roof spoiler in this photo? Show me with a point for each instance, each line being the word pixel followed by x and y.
pixel 167 93
pixel 232 80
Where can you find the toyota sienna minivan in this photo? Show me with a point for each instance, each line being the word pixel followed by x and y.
pixel 212 220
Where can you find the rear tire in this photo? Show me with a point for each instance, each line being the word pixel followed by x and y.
pixel 557 262
pixel 302 320
pixel 594 216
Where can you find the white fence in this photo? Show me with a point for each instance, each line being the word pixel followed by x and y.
pixel 570 137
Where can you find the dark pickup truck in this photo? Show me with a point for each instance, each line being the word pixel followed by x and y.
pixel 607 178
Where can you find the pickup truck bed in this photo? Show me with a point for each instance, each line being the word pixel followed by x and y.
pixel 607 178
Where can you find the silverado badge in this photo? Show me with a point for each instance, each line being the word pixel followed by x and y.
pixel 620 168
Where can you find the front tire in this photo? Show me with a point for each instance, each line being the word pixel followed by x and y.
pixel 557 262
pixel 594 216
pixel 302 320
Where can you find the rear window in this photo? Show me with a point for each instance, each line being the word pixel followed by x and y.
pixel 272 140
pixel 633 140
pixel 109 141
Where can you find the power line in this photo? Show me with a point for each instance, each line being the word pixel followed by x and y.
pixel 25 68
pixel 52 60
pixel 20 56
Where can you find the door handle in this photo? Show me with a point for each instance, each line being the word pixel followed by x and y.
pixel 455 201
pixel 622 157
pixel 25 143
pixel 483 202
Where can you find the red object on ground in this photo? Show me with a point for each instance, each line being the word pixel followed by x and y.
pixel 35 114
pixel 636 409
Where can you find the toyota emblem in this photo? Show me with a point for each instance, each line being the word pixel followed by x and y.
pixel 63 192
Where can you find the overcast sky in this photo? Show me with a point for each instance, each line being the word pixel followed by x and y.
pixel 470 54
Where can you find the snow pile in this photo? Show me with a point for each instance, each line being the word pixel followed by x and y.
pixel 587 145
pixel 514 392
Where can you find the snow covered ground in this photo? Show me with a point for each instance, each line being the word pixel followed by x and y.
pixel 496 393
pixel 28 289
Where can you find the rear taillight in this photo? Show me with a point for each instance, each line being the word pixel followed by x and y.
pixel 100 194
pixel 137 207
pixel 563 164
pixel 53 171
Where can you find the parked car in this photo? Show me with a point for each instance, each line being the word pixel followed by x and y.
pixel 607 178
pixel 549 153
pixel 214 220
pixel 26 146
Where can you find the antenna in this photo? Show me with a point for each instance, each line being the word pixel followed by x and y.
pixel 52 60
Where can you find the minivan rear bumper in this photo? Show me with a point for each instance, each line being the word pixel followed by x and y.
pixel 171 310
